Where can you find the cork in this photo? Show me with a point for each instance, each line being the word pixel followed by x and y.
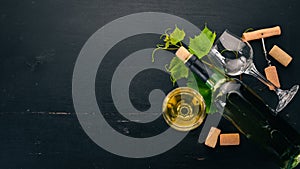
pixel 280 55
pixel 229 139
pixel 212 137
pixel 261 33
pixel 183 54
pixel 272 76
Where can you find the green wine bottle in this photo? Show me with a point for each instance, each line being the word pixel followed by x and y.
pixel 248 113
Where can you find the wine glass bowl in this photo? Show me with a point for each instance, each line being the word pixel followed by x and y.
pixel 234 54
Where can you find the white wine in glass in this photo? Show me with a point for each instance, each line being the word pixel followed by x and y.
pixel 184 109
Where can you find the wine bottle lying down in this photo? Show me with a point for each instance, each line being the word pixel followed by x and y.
pixel 249 114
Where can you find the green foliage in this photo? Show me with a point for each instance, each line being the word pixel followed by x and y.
pixel 177 36
pixel 177 69
pixel 172 41
pixel 201 44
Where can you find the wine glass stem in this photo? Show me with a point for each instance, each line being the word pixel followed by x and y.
pixel 251 70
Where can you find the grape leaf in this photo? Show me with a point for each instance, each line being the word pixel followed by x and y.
pixel 201 44
pixel 177 69
pixel 177 36
pixel 170 40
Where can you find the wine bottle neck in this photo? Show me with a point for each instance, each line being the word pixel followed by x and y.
pixel 212 78
pixel 215 81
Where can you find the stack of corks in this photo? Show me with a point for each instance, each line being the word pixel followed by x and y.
pixel 276 52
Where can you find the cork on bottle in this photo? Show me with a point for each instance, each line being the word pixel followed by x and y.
pixel 229 139
pixel 272 76
pixel 280 55
pixel 212 137
pixel 261 33
pixel 183 54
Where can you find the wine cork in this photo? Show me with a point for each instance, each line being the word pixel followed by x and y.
pixel 212 137
pixel 183 54
pixel 229 139
pixel 261 33
pixel 280 55
pixel 272 76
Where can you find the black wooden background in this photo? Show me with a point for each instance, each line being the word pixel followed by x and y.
pixel 40 42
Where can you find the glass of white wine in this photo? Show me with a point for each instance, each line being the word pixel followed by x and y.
pixel 184 109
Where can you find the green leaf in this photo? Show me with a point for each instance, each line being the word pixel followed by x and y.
pixel 177 35
pixel 170 40
pixel 194 82
pixel 177 69
pixel 201 44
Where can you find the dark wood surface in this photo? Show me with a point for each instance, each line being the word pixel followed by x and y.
pixel 40 42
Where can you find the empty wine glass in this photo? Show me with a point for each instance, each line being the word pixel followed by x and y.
pixel 236 57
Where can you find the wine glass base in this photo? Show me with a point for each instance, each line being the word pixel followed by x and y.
pixel 285 96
